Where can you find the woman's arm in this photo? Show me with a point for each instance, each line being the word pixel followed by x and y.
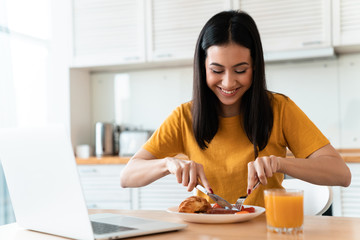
pixel 143 169
pixel 323 167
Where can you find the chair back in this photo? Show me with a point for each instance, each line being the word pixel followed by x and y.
pixel 317 198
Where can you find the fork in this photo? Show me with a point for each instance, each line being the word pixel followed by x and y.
pixel 239 203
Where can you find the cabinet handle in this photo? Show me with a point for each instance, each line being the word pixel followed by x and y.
pixel 164 55
pixel 134 58
pixel 312 43
pixel 93 170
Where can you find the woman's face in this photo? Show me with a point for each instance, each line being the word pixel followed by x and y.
pixel 229 75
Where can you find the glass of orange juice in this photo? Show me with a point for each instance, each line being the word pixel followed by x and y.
pixel 284 210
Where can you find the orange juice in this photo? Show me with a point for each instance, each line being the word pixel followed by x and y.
pixel 284 209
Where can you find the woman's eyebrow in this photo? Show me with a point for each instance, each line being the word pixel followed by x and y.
pixel 216 64
pixel 240 64
pixel 236 65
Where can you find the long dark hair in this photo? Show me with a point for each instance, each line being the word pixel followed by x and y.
pixel 221 29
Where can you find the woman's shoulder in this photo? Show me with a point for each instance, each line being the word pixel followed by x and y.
pixel 183 109
pixel 279 96
pixel 282 103
pixel 279 99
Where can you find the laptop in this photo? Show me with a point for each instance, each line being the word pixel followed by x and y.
pixel 46 193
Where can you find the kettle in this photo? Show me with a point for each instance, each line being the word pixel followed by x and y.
pixel 104 139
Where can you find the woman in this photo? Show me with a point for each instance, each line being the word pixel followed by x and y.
pixel 234 131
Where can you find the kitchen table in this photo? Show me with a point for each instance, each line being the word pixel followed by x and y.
pixel 315 227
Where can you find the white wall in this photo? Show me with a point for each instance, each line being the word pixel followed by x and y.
pixel 327 90
pixel 349 94
pixel 313 85
pixel 152 95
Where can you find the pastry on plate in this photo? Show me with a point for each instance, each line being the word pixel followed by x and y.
pixel 194 204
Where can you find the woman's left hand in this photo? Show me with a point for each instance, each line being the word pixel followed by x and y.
pixel 261 169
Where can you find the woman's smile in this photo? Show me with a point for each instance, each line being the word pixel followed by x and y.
pixel 228 93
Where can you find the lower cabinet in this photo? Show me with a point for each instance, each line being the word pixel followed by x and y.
pixel 101 186
pixel 346 201
pixel 161 194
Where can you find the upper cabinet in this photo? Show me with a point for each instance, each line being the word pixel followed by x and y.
pixel 137 33
pixel 174 26
pixel 296 27
pixel 346 23
pixel 108 32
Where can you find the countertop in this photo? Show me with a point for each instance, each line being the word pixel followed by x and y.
pixel 349 156
pixel 315 227
pixel 103 160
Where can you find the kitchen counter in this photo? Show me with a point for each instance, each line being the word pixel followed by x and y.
pixel 315 227
pixel 103 160
pixel 349 156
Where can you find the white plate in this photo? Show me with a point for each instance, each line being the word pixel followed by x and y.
pixel 216 218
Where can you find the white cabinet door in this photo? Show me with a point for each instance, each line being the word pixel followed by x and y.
pixel 101 186
pixel 108 32
pixel 290 25
pixel 162 194
pixel 346 22
pixel 347 200
pixel 174 26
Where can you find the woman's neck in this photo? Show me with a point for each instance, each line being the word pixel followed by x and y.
pixel 230 110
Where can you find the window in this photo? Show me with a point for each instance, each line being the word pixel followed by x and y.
pixel 25 34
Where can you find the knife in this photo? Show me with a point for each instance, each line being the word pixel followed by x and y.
pixel 219 200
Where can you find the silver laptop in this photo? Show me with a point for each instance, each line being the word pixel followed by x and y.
pixel 46 193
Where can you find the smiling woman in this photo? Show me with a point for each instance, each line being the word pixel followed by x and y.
pixel 235 131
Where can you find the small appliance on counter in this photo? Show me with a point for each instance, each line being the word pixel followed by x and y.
pixel 104 139
pixel 131 141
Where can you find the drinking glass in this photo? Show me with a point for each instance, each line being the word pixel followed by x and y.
pixel 284 210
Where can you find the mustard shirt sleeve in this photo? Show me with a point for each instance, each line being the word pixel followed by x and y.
pixel 301 134
pixel 167 139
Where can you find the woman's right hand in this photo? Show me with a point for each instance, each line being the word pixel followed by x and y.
pixel 187 172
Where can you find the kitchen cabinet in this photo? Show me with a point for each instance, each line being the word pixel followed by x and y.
pixel 291 29
pixel 102 190
pixel 136 33
pixel 346 200
pixel 101 185
pixel 108 32
pixel 161 194
pixel 346 23
pixel 174 26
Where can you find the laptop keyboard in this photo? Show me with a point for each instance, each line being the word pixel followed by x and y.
pixel 104 228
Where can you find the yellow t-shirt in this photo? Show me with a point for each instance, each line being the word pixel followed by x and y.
pixel 225 160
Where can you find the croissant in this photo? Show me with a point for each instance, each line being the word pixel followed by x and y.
pixel 194 204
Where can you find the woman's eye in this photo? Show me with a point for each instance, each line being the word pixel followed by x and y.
pixel 216 71
pixel 240 71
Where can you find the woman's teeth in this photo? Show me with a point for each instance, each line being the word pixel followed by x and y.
pixel 228 92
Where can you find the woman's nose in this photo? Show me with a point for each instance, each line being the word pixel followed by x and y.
pixel 229 81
